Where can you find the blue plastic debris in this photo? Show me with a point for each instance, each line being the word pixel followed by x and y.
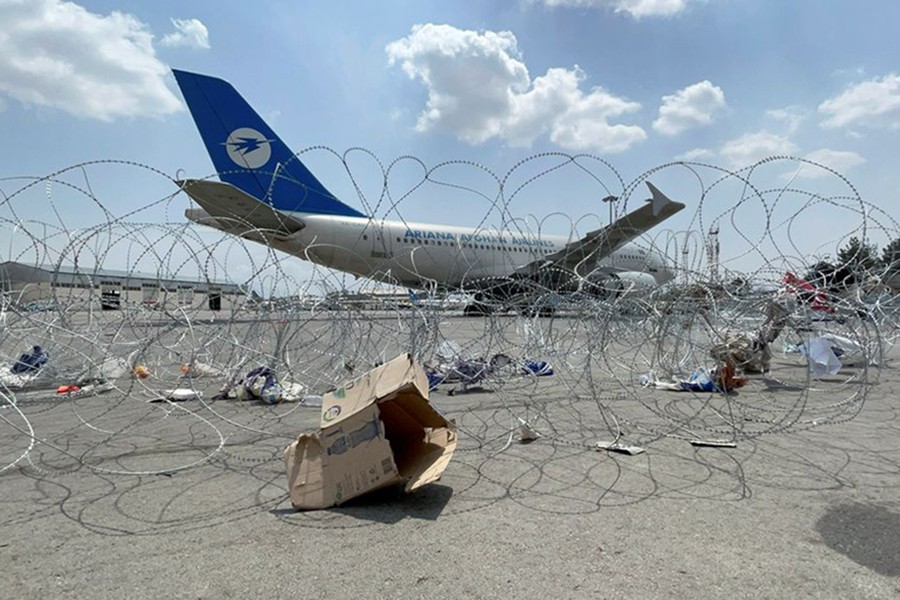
pixel 31 362
pixel 699 382
pixel 541 368
pixel 261 383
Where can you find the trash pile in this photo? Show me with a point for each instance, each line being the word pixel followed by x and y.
pixel 464 373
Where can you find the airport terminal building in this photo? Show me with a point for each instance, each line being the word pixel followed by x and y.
pixel 39 287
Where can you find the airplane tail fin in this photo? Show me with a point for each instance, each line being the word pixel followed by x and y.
pixel 247 153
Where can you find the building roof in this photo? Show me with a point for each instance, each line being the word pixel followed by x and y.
pixel 64 274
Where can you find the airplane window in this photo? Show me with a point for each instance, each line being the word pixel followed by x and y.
pixel 365 237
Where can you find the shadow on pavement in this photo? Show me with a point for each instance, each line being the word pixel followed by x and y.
pixel 866 534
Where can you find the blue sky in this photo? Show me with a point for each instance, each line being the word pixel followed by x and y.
pixel 636 83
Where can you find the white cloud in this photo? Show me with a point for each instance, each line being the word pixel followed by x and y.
pixel 791 116
pixel 837 160
pixel 873 103
pixel 471 77
pixel 635 8
pixel 191 33
pixel 57 54
pixel 693 106
pixel 479 89
pixel 753 147
pixel 749 149
pixel 701 154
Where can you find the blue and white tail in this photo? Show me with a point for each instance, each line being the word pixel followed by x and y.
pixel 247 153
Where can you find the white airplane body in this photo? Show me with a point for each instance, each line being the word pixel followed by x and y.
pixel 269 196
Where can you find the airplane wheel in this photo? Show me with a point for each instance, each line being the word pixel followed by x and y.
pixel 476 309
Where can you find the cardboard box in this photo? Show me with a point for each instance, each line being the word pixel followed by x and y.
pixel 376 431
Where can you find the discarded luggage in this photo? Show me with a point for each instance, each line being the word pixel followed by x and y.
pixel 745 351
pixel 453 366
pixel 30 362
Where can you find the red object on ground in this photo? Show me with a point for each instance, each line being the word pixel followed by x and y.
pixel 817 299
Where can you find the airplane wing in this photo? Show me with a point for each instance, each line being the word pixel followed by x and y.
pixel 606 240
pixel 232 207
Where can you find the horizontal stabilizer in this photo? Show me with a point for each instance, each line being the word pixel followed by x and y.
pixel 227 204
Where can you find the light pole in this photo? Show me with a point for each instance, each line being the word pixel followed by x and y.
pixel 609 200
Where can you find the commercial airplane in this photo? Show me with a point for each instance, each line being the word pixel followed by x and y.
pixel 267 195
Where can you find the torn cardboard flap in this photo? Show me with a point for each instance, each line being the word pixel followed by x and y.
pixel 379 383
pixel 378 430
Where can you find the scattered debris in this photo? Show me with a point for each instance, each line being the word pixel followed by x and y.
pixel 540 368
pixel 453 367
pixel 619 447
pixel 821 355
pixel 92 389
pixel 260 383
pixel 806 292
pixel 30 362
pixel 16 380
pixel 527 433
pixel 720 378
pixel 311 400
pixel 750 352
pixel 747 351
pixel 465 374
pixel 715 443
pixel 179 395
pixel 199 369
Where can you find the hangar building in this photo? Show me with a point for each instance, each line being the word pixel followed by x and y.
pixel 48 286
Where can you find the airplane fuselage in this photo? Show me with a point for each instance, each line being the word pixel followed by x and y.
pixel 419 254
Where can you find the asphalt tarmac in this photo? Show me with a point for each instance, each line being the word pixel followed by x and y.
pixel 124 498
